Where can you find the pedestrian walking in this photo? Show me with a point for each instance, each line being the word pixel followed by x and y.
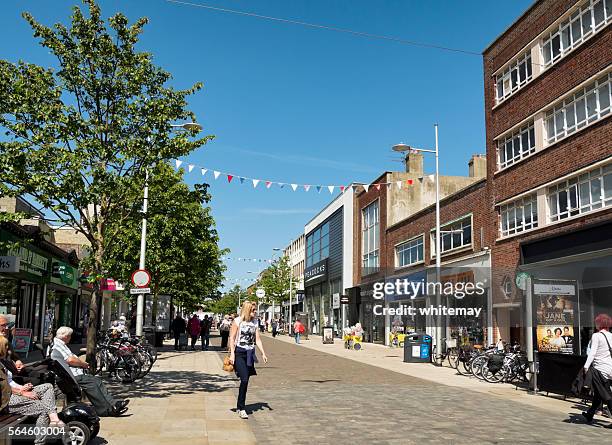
pixel 205 326
pixel 193 327
pixel 244 336
pixel 274 327
pixel 224 329
pixel 298 329
pixel 599 361
pixel 178 328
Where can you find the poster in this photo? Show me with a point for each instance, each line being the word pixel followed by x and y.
pixel 21 340
pixel 555 303
pixel 328 335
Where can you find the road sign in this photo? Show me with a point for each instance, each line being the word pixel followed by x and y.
pixel 344 299
pixel 260 293
pixel 140 290
pixel 141 278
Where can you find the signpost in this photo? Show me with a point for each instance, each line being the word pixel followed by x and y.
pixel 140 290
pixel 260 293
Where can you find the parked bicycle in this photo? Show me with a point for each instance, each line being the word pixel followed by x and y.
pixel 449 353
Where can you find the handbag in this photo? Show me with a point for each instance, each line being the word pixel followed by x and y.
pixel 227 364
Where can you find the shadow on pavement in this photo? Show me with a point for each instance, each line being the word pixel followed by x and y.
pixel 160 384
pixel 254 407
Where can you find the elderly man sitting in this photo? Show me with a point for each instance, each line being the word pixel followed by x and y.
pixel 92 386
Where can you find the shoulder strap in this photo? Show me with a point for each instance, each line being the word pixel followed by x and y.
pixel 609 348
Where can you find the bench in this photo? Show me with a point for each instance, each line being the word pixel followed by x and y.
pixel 7 421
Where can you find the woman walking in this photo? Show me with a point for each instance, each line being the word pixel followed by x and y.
pixel 244 336
pixel 224 329
pixel 600 361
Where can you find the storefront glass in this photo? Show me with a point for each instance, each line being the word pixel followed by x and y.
pixel 8 298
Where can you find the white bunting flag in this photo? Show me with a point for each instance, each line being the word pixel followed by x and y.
pixel 366 187
pixel 306 187
pixel 255 182
pixel 294 187
pixel 330 188
pixel 178 163
pixel 190 167
pixel 216 173
pixel 204 171
pixel 399 184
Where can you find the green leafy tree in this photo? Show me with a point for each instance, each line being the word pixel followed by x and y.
pixel 182 252
pixel 275 281
pixel 229 302
pixel 80 135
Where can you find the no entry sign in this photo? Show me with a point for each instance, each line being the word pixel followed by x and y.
pixel 141 278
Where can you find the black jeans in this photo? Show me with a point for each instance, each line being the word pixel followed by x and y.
pixel 96 392
pixel 224 338
pixel 243 372
pixel 205 341
pixel 194 340
pixel 177 336
pixel 601 392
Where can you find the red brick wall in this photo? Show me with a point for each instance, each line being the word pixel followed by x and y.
pixel 467 201
pixel 362 200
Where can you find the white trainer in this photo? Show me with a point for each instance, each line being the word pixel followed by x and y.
pixel 243 414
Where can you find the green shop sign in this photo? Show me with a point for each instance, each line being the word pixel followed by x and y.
pixel 64 274
pixel 32 264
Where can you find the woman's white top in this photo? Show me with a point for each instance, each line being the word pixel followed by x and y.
pixel 599 355
pixel 247 331
pixel 9 375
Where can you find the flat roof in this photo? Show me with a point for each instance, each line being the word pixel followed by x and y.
pixel 518 19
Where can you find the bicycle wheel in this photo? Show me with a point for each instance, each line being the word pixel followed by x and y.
pixel 127 369
pixel 476 366
pixel 146 363
pixel 453 358
pixel 493 377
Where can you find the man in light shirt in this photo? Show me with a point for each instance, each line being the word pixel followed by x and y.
pixel 92 386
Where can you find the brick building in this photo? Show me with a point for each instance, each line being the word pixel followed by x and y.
pixel 547 107
pixel 388 200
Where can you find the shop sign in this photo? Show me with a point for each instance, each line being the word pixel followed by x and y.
pixel 316 273
pixel 344 299
pixel 555 313
pixel 300 296
pixel 9 264
pixel 62 273
pixel 336 301
pixel 30 261
pixel 108 284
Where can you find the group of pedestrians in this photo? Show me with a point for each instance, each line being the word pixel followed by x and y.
pixel 195 328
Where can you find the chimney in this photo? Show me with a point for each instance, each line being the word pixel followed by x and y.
pixel 478 166
pixel 414 163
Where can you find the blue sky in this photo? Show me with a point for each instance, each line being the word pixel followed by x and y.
pixel 298 105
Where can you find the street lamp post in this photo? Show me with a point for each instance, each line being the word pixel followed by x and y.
pixel 187 126
pixel 403 147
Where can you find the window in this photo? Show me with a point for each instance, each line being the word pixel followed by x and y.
pixel 370 238
pixel 586 106
pixel 581 194
pixel 519 215
pixel 454 235
pixel 410 252
pixel 317 245
pixel 517 74
pixel 516 146
pixel 591 17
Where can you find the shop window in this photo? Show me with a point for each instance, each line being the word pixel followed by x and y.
pixel 370 238
pixel 584 193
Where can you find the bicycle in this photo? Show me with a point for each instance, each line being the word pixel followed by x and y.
pixel 450 353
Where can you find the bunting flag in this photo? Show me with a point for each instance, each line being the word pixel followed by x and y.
pixel 254 260
pixel 294 186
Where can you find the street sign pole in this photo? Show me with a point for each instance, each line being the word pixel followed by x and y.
pixel 143 245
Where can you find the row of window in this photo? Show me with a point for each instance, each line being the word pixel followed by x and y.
pixel 588 105
pixel 317 245
pixel 370 236
pixel 584 107
pixel 454 236
pixel 589 18
pixel 583 193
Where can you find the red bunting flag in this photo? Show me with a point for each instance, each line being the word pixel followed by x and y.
pixel 342 189
pixel 268 184
pixel 409 181
pixel 229 178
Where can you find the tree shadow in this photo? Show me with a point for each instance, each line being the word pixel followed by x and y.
pixel 161 384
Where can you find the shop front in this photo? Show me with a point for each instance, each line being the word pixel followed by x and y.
pixel 317 296
pixel 567 282
pixel 23 280
pixel 373 325
pixel 62 297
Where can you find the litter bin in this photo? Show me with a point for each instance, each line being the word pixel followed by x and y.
pixel 417 348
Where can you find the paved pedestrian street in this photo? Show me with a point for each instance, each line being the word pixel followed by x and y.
pixel 307 396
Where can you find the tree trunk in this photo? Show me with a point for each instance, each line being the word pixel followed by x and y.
pixel 92 326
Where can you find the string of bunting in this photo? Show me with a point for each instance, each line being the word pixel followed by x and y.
pixel 254 260
pixel 293 186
